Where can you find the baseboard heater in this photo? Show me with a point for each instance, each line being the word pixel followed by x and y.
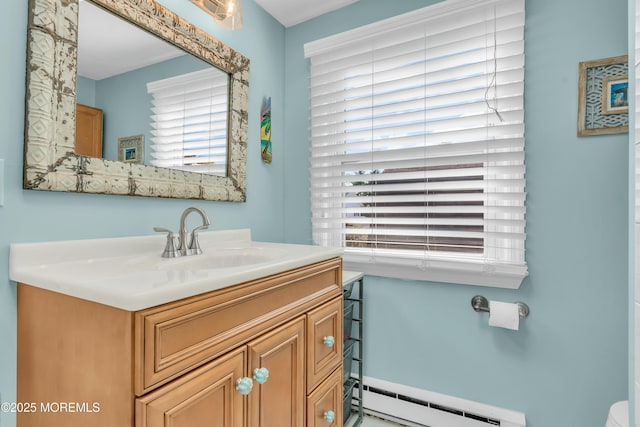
pixel 421 408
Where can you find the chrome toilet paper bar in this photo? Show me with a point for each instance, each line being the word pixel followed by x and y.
pixel 480 303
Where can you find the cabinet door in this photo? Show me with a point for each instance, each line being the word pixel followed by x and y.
pixel 205 397
pixel 88 131
pixel 325 404
pixel 324 332
pixel 280 401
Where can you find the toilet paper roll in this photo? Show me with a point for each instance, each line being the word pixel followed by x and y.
pixel 504 315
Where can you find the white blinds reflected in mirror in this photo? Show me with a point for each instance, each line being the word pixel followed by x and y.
pixel 189 122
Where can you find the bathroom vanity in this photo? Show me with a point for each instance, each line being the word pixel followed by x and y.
pixel 244 335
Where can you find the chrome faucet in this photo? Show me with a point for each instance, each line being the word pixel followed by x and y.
pixel 187 243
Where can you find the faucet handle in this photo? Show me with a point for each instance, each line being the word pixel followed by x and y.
pixel 170 250
pixel 194 245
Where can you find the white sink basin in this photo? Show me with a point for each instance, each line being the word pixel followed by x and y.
pixel 212 259
pixel 130 274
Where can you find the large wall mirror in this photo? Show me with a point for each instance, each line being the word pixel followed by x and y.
pixel 166 120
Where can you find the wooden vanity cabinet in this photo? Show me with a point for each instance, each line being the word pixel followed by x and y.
pixel 178 364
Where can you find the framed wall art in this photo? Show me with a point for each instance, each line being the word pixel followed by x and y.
pixel 614 95
pixel 603 103
pixel 265 131
pixel 131 149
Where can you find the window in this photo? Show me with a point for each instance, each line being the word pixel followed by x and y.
pixel 417 144
pixel 189 122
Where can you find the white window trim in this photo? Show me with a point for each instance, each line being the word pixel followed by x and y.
pixel 446 271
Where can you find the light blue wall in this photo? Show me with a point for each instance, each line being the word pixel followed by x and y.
pixel 40 216
pixel 86 91
pixel 568 362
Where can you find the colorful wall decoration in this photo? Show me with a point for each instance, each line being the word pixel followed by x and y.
pixel 265 130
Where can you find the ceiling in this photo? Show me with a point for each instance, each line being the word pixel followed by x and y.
pixel 292 12
pixel 108 45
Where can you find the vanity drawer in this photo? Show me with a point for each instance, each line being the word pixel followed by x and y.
pixel 174 338
pixel 324 342
pixel 325 405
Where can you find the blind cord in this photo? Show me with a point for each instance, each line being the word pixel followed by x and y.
pixel 495 69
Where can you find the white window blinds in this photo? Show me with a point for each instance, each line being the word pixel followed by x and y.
pixel 189 122
pixel 417 156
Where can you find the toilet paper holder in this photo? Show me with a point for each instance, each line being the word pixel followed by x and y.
pixel 480 303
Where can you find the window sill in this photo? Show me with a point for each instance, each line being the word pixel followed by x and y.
pixel 455 272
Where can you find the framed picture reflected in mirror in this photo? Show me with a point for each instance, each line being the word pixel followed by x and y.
pixel 131 149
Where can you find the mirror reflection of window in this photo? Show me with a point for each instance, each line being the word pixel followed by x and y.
pixel 189 121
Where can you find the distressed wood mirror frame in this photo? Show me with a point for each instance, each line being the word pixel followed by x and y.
pixel 49 159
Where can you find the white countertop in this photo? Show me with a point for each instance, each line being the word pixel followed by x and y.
pixel 351 276
pixel 129 273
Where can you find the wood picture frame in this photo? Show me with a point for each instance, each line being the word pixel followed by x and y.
pixel 615 99
pixel 597 114
pixel 131 149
